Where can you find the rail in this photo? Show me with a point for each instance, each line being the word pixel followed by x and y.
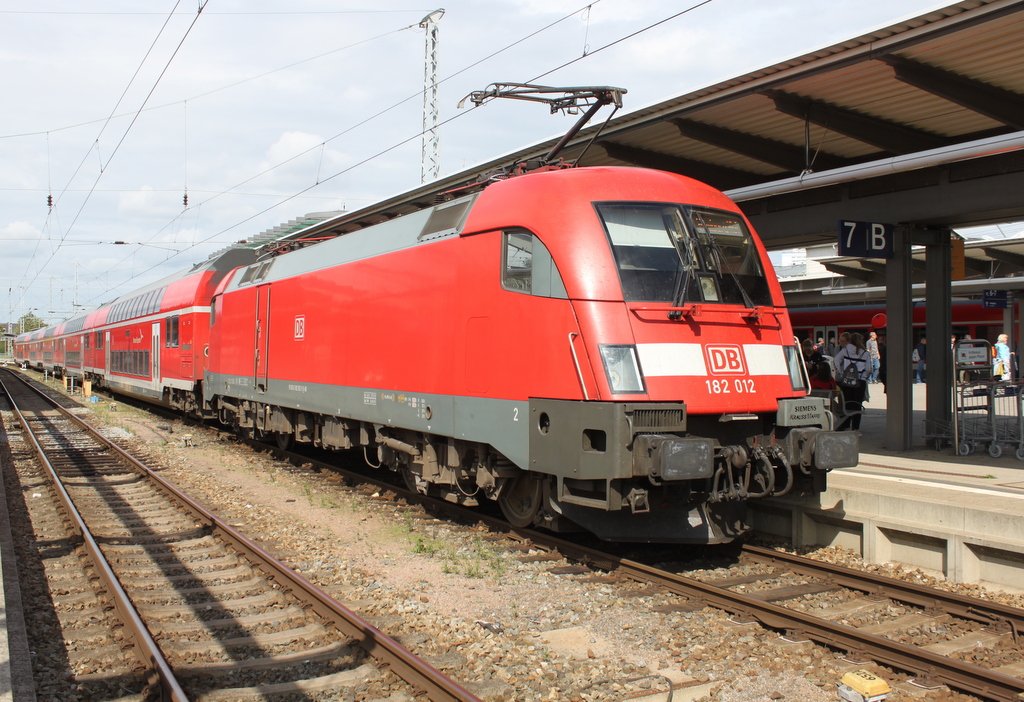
pixel 386 650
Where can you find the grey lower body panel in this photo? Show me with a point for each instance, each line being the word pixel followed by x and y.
pixel 499 423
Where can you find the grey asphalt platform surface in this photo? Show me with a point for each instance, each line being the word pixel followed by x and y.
pixel 979 468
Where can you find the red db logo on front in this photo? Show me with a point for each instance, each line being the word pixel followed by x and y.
pixel 725 359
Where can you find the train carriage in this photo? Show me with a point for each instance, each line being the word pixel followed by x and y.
pixel 148 343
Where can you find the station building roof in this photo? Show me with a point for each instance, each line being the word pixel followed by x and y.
pixel 988 265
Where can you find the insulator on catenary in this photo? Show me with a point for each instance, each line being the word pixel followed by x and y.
pixel 49 200
pixel 184 200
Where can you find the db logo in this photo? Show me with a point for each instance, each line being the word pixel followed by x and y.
pixel 300 327
pixel 725 359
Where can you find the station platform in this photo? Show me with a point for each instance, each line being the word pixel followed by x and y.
pixel 16 682
pixel 961 517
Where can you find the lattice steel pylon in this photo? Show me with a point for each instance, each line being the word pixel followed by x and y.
pixel 430 157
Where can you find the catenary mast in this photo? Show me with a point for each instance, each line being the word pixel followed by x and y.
pixel 430 158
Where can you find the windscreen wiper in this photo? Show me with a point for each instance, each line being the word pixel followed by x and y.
pixel 716 249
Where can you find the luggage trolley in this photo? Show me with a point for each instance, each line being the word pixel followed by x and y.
pixel 1007 418
pixel 974 416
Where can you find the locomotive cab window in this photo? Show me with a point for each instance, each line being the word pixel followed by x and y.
pixel 680 254
pixel 527 266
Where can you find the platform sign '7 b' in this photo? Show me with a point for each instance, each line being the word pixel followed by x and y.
pixel 865 239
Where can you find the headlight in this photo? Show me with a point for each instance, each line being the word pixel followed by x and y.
pixel 622 369
pixel 795 363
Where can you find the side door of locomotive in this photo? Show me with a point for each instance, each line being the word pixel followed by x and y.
pixel 261 355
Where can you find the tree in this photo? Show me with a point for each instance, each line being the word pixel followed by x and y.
pixel 29 322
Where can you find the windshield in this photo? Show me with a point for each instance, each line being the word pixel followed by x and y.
pixel 681 254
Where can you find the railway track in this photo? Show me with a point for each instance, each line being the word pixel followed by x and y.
pixel 200 611
pixel 933 636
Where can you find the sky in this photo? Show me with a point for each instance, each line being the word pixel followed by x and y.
pixel 262 112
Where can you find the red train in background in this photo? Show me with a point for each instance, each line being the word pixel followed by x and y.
pixel 147 344
pixel 596 348
pixel 970 319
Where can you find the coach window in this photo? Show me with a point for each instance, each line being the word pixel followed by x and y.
pixel 171 332
pixel 527 266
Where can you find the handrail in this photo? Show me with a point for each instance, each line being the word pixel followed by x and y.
pixel 576 362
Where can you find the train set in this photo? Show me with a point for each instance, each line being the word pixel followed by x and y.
pixel 604 349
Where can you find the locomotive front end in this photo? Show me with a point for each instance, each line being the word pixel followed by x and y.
pixel 700 400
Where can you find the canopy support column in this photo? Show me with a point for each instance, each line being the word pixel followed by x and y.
pixel 938 329
pixel 900 406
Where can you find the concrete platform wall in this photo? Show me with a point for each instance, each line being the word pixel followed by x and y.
pixel 964 534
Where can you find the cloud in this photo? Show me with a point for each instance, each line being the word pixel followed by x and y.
pixel 147 203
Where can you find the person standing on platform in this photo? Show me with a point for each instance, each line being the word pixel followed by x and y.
pixel 883 375
pixel 853 368
pixel 876 358
pixel 812 357
pixel 1001 363
pixel 831 348
pixel 920 357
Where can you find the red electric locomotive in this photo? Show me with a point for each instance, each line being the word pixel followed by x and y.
pixel 604 348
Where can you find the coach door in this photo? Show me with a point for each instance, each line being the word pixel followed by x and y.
pixel 155 354
pixel 262 355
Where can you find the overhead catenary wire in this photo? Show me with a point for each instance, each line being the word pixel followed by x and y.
pixel 378 154
pixel 52 210
pixel 355 126
pixel 218 89
pixel 103 166
pixel 351 128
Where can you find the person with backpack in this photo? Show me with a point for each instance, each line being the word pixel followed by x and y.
pixel 853 368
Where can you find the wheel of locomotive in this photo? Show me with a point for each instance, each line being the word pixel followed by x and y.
pixel 284 441
pixel 520 499
pixel 409 478
pixel 995 450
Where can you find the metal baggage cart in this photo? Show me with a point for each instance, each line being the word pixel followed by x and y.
pixel 1007 418
pixel 974 415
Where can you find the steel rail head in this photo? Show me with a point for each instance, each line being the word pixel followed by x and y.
pixel 964 606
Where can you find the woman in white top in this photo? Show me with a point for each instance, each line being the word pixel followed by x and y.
pixel 853 368
pixel 1001 365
